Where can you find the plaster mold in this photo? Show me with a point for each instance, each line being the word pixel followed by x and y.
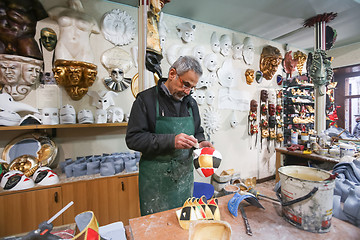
pixel 211 62
pixel 85 116
pixel 211 120
pixel 225 45
pixel 115 114
pixel 248 51
pixel 227 74
pixel 210 97
pixel 200 96
pixel 163 31
pixel 215 43
pixel 50 116
pixel 234 121
pixel 237 47
pixel 100 116
pixel 199 53
pixel 67 114
pixel 118 27
pixel 186 31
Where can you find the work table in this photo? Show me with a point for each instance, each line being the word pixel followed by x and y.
pixel 265 224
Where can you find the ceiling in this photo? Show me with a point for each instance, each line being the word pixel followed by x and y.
pixel 277 20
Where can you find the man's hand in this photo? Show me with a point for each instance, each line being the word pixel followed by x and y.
pixel 183 141
pixel 205 144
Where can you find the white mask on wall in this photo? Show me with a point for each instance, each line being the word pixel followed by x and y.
pixel 225 45
pixel 186 31
pixel 200 96
pixel 210 97
pixel 115 114
pixel 215 43
pixel 211 62
pixel 237 47
pixel 248 51
pixel 203 82
pixel 234 120
pixel 199 53
pixel 102 99
pixel 50 116
pixel 85 116
pixel 100 116
pixel 67 114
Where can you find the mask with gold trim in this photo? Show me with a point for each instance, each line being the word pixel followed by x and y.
pixel 206 161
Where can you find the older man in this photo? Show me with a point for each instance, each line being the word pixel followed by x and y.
pixel 164 125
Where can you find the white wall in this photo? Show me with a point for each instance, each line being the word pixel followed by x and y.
pixel 345 56
pixel 233 143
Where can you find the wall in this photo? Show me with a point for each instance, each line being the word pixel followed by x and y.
pixel 237 148
pixel 345 56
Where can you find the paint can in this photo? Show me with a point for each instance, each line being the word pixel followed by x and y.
pixel 306 197
pixel 294 137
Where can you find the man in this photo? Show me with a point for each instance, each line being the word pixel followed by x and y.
pixel 164 126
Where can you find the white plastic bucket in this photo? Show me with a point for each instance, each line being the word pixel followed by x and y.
pixel 314 212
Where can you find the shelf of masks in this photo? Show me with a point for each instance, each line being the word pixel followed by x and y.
pixel 58 126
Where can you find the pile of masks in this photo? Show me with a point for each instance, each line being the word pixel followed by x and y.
pixel 346 202
pixel 106 164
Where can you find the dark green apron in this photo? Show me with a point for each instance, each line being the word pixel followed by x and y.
pixel 167 180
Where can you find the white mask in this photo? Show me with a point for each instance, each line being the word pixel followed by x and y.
pixel 237 48
pixel 85 116
pixel 7 176
pixel 50 116
pixel 210 97
pixel 115 114
pixel 19 180
pixel 186 31
pixel 215 43
pixel 200 96
pixel 100 116
pixel 248 51
pixel 199 53
pixel 212 78
pixel 44 176
pixel 225 45
pixel 211 62
pixel 203 82
pixel 102 99
pixel 67 114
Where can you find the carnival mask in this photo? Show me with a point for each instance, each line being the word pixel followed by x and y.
pixel 253 105
pixel 270 59
pixel 249 75
pixel 44 176
pixel 206 161
pixel 264 95
pixel 289 63
pixel 319 68
pixel 200 96
pixel 67 114
pixel 199 53
pixel 211 62
pixel 248 51
pixel 100 116
pixel 85 116
pixel 237 47
pixel 102 99
pixel 301 58
pixel 48 38
pixel 215 43
pixel 203 82
pixel 271 109
pixel 50 116
pixel 18 181
pixel 210 97
pixel 225 45
pixel 115 114
pixel 186 31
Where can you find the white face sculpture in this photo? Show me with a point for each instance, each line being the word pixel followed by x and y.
pixel 225 45
pixel 50 116
pixel 210 97
pixel 115 114
pixel 10 72
pixel 100 116
pixel 248 51
pixel 202 83
pixel 30 73
pixel 212 78
pixel 67 114
pixel 199 53
pixel 85 116
pixel 211 62
pixel 186 31
pixel 200 96
pixel 102 99
pixel 117 75
pixel 237 51
pixel 215 43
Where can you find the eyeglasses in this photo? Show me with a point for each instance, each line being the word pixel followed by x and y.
pixel 186 85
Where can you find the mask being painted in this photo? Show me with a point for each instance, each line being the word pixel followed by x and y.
pixel 100 116
pixel 215 43
pixel 115 114
pixel 211 62
pixel 102 99
pixel 18 74
pixel 67 114
pixel 186 31
pixel 48 39
pixel 50 116
pixel 249 75
pixel 237 47
pixel 270 59
pixel 248 51
pixel 85 116
pixel 225 45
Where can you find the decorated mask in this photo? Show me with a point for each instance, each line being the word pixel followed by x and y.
pixel 199 53
pixel 102 99
pixel 210 97
pixel 7 175
pixel 215 43
pixel 85 116
pixel 211 62
pixel 225 45
pixel 50 116
pixel 186 31
pixel 253 105
pixel 264 133
pixel 115 114
pixel 200 96
pixel 301 59
pixel 67 114
pixel 270 59
pixel 76 77
pixel 44 176
pixel 248 51
pixel 206 161
pixel 272 122
pixel 237 47
pixel 264 95
pixel 18 181
pixel 249 75
pixel 279 137
pixel 100 116
pixel 289 63
pixel 259 76
pixel 48 38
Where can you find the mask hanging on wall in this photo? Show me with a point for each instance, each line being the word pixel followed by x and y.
pixel 211 62
pixel 289 64
pixel 215 43
pixel 270 59
pixel 186 31
pixel 48 38
pixel 249 75
pixel 225 45
pixel 248 51
pixel 301 58
pixel 237 47
pixel 199 53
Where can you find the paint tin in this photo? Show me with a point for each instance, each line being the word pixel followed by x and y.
pixel 307 198
pixel 294 137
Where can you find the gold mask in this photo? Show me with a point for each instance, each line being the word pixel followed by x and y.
pixel 250 75
pixel 301 57
pixel 75 76
pixel 270 59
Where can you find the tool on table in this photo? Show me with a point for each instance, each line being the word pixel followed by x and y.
pixel 257 194
pixel 247 225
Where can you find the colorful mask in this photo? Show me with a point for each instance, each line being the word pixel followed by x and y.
pixel 289 63
pixel 206 161
pixel 253 106
pixel 301 58
pixel 259 76
pixel 270 59
pixel 249 75
pixel 44 176
pixel 264 95
pixel 48 38
pixel 271 109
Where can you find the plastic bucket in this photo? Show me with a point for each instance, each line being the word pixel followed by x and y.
pixel 306 197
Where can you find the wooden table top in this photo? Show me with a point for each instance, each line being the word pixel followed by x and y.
pixel 265 224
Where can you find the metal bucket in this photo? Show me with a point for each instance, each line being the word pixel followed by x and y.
pixel 306 197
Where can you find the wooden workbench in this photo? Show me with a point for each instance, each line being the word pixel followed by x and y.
pixel 265 224
pixel 282 152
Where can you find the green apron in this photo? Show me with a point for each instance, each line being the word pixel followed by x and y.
pixel 167 180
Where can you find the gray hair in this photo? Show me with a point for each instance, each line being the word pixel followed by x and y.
pixel 186 63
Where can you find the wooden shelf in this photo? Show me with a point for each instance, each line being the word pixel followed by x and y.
pixel 123 124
